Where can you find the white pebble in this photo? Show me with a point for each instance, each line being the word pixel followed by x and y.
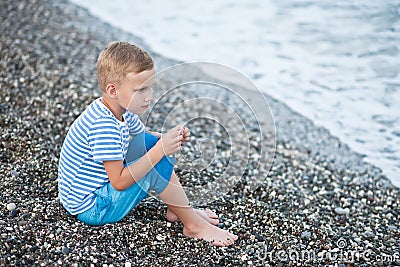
pixel 11 206
pixel 128 264
pixel 341 211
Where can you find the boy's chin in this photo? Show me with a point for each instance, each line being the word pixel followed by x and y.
pixel 138 112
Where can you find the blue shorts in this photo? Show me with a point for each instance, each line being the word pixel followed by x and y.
pixel 112 205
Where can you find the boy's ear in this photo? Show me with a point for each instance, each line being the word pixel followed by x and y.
pixel 111 90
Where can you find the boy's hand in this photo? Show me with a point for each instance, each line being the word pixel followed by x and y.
pixel 171 141
pixel 185 134
pixel 156 134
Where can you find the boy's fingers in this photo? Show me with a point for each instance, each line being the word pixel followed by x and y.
pixel 174 134
pixel 175 129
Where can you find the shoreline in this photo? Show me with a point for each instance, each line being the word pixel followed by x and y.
pixel 311 200
pixel 302 133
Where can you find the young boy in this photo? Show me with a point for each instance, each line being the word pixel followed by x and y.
pixel 103 175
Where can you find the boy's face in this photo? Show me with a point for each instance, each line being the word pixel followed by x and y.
pixel 135 92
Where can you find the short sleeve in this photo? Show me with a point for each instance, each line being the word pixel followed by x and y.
pixel 135 125
pixel 105 141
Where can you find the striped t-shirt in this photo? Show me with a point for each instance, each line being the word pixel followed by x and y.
pixel 94 137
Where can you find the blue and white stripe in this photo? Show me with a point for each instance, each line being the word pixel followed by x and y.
pixel 94 137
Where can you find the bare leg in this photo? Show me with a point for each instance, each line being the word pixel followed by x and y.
pixel 208 215
pixel 194 225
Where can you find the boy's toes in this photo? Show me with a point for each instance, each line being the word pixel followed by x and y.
pixel 211 214
pixel 228 241
pixel 208 216
pixel 218 243
pixel 233 237
pixel 213 221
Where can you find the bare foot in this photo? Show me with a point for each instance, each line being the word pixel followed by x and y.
pixel 210 233
pixel 208 215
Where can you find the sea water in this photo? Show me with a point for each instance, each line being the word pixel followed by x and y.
pixel 335 62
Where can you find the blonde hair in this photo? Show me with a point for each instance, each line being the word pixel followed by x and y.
pixel 118 59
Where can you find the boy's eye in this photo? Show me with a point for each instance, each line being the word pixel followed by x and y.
pixel 144 89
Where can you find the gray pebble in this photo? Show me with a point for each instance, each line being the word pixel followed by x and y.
pixel 369 234
pixel 14 213
pixel 21 223
pixel 306 235
pixel 26 216
pixel 342 211
pixel 65 250
pixel 259 237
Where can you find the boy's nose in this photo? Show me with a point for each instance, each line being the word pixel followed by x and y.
pixel 149 97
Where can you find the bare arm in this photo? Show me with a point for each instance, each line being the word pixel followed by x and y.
pixel 122 178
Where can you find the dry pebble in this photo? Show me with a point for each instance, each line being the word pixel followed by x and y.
pixel 11 206
pixel 318 195
pixel 342 211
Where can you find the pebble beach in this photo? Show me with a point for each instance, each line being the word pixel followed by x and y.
pixel 320 204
